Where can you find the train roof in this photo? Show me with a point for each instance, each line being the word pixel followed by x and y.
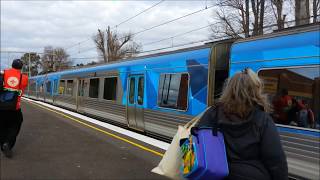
pixel 153 58
pixel 302 42
pixel 283 32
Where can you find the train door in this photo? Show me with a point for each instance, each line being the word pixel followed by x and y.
pixel 81 86
pixel 55 90
pixel 135 100
pixel 41 91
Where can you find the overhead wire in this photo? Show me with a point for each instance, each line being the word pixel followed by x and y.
pixel 154 42
pixel 138 14
pixel 127 20
pixel 178 35
pixel 188 43
pixel 167 22
pixel 170 21
pixel 74 45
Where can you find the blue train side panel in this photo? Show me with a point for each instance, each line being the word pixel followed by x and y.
pixel 283 51
pixel 193 62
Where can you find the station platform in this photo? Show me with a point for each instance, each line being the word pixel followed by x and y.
pixel 55 145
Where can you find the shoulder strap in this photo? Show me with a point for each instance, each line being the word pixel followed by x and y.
pixel 208 122
pixel 196 119
pixel 1 81
pixel 20 80
pixel 215 126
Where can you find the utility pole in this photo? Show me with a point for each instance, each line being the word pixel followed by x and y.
pixel 29 64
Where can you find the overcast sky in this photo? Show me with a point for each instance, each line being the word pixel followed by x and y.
pixel 32 25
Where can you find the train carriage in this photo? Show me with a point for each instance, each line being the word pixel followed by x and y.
pixel 289 60
pixel 156 93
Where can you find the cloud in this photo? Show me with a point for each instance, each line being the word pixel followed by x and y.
pixel 32 25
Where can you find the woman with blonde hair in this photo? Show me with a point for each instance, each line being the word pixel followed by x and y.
pixel 251 138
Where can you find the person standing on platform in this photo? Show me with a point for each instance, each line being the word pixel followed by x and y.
pixel 11 89
pixel 253 146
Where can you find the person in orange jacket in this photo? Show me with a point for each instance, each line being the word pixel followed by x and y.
pixel 11 118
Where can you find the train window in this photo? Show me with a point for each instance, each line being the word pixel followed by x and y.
pixel 69 89
pixel 294 94
pixel 140 90
pixel 132 89
pixel 94 88
pixel 55 86
pixel 81 88
pixel 32 86
pixel 220 77
pixel 61 86
pixel 48 86
pixel 41 88
pixel 173 91
pixel 110 88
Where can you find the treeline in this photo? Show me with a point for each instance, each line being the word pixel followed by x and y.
pixel 247 18
pixel 51 60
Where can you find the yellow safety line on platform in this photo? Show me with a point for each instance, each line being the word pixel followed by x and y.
pixel 105 132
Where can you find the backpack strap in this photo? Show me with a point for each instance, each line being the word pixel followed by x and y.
pixel 20 90
pixel 215 124
pixel 208 121
pixel 1 82
pixel 20 80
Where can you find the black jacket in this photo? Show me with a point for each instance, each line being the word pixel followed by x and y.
pixel 253 145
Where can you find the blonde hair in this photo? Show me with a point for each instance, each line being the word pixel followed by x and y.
pixel 242 93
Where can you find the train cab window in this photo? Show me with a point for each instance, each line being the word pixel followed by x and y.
pixel 94 88
pixel 131 91
pixel 41 88
pixel 110 88
pixel 69 89
pixel 294 94
pixel 140 90
pixel 48 87
pixel 55 86
pixel 173 91
pixel 32 86
pixel 62 86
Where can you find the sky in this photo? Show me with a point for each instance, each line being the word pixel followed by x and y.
pixel 31 25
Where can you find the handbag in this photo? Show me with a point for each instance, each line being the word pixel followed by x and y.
pixel 204 154
pixel 170 164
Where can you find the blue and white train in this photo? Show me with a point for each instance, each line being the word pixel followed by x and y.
pixel 156 93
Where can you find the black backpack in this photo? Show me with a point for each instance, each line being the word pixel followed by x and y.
pixel 8 99
pixel 1 83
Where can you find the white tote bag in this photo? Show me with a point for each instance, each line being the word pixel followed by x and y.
pixel 170 164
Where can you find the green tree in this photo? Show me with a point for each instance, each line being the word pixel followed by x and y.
pixel 34 63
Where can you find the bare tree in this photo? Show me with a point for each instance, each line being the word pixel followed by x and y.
pixel 47 61
pixel 34 63
pixel 302 12
pixel 113 46
pixel 236 19
pixel 277 8
pixel 315 10
pixel 100 42
pixel 61 61
pixel 54 59
pixel 258 14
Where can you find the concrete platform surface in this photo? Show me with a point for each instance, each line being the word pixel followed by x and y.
pixel 51 146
